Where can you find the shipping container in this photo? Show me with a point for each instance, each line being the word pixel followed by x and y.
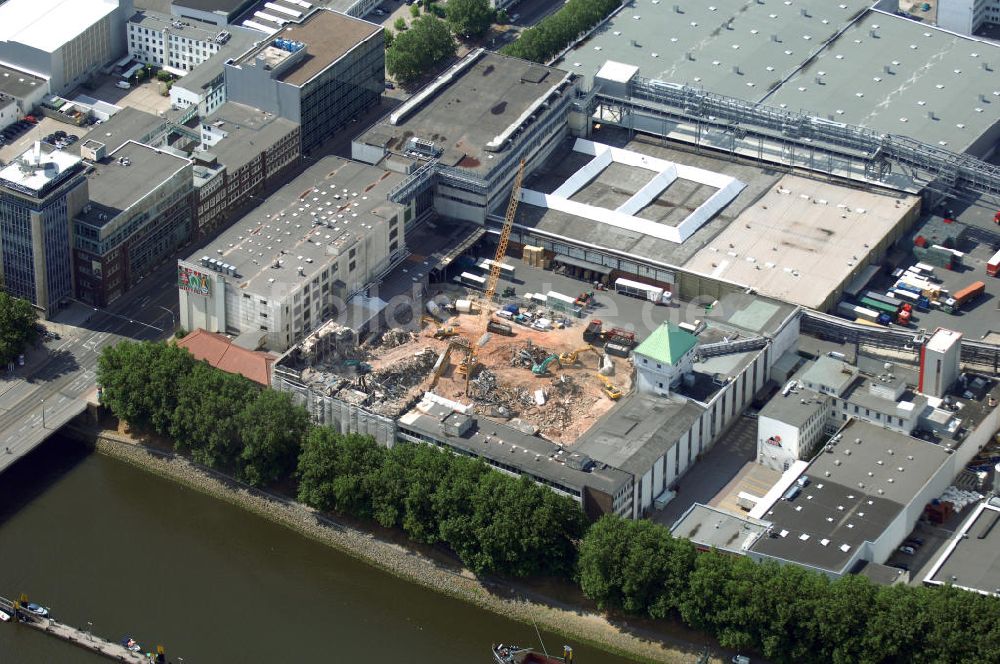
pixel 618 350
pixel 885 299
pixel 472 280
pixel 506 271
pixel 969 293
pixel 993 265
pixel 642 291
pixel 879 306
pixel 560 302
pixel 500 328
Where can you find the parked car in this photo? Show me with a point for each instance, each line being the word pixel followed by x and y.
pixel 124 85
pixel 59 134
pixel 37 609
pixel 908 550
pixel 389 86
pixel 20 360
pixel 73 138
pixel 917 541
pixel 803 481
pixel 902 566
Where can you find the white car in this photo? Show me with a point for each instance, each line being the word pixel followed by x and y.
pixel 124 85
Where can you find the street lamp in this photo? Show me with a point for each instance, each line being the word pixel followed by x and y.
pixel 90 630
pixel 43 413
pixel 173 320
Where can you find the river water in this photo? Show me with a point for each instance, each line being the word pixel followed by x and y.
pixel 102 542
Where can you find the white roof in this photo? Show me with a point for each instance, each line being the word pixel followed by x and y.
pixel 35 168
pixel 617 71
pixel 943 339
pixel 49 24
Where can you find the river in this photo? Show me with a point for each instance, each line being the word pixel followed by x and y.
pixel 102 542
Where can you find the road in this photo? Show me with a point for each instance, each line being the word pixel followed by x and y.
pixel 52 387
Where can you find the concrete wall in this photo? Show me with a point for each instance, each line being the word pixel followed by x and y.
pixel 956 15
pixel 776 456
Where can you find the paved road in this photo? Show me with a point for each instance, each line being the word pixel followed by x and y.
pixel 58 375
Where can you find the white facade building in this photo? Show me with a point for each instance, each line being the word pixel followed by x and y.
pixel 64 41
pixel 967 16
pixel 663 358
pixel 175 44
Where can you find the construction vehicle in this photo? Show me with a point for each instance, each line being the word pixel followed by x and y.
pixel 500 328
pixel 572 357
pixel 611 390
pixel 508 292
pixel 593 331
pixel 495 267
pixel 445 332
pixel 542 368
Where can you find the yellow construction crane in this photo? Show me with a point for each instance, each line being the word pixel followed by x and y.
pixel 491 281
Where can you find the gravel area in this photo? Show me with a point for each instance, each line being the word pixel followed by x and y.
pixel 406 563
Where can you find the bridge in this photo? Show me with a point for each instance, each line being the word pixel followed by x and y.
pixel 20 615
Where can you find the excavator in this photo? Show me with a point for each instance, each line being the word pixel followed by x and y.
pixel 445 332
pixel 572 357
pixel 542 368
pixel 611 390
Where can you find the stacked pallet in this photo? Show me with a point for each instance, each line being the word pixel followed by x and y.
pixel 535 257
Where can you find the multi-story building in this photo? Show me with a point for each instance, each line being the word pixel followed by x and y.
pixel 205 85
pixel 296 261
pixel 321 72
pixel 40 192
pixel 64 41
pixel 967 16
pixel 213 12
pixel 179 45
pixel 141 209
pixel 471 128
pixel 242 152
pixel 25 89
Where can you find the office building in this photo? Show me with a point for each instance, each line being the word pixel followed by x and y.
pixel 204 86
pixel 179 45
pixel 298 258
pixel 26 90
pixel 40 192
pixel 64 41
pixel 322 72
pixel 140 210
pixel 210 12
pixel 966 17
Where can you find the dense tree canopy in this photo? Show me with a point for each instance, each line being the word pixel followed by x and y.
pixel 495 523
pixel 470 18
pixel 418 50
pixel 787 613
pixel 557 31
pixel 141 382
pixel 17 327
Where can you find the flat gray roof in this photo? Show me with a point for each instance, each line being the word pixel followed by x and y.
pixel 638 430
pixel 718 529
pixel 845 509
pixel 682 196
pixel 531 455
pixel 176 25
pixel 702 43
pixel 974 559
pixel 115 187
pixel 830 372
pixel 223 6
pixel 128 124
pixel 469 110
pixel 795 408
pixel 241 41
pixel 248 132
pixel 19 84
pixel 283 227
pixel 929 71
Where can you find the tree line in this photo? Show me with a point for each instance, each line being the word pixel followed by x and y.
pixel 784 612
pixel 498 524
pixel 492 521
pixel 557 31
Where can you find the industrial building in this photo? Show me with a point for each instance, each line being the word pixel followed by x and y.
pixel 25 89
pixel 971 558
pixel 296 260
pixel 140 210
pixel 40 192
pixel 966 17
pixel 63 41
pixel 178 45
pixel 212 12
pixel 465 133
pixel 243 151
pixel 321 71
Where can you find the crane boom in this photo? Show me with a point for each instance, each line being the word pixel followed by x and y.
pixel 508 224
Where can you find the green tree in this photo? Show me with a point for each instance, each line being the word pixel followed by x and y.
pixel 417 51
pixel 204 422
pixel 338 472
pixel 400 26
pixel 557 31
pixel 272 428
pixel 17 327
pixel 470 18
pixel 140 382
pixel 389 36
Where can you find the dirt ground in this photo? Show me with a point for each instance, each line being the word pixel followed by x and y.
pixel 503 388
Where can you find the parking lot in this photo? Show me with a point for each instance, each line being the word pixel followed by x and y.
pixel 145 96
pixel 45 126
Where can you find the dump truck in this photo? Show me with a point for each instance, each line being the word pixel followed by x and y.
pixel 593 331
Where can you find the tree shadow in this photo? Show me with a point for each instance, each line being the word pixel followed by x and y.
pixel 37 471
pixel 59 363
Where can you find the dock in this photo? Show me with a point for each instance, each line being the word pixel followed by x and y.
pixel 78 637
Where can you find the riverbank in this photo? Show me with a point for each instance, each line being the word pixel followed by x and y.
pixel 577 625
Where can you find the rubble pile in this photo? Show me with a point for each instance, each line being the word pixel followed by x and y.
pixel 491 397
pixel 390 338
pixel 396 381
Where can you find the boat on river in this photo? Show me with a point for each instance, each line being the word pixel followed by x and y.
pixel 504 653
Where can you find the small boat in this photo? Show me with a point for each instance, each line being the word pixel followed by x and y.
pixel 4 616
pixel 131 644
pixel 504 653
pixel 37 609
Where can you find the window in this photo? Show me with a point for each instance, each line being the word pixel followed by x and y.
pixel 659 366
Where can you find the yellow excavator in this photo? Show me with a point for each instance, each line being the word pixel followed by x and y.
pixel 445 332
pixel 572 357
pixel 611 390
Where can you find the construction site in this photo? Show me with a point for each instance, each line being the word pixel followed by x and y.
pixel 535 373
